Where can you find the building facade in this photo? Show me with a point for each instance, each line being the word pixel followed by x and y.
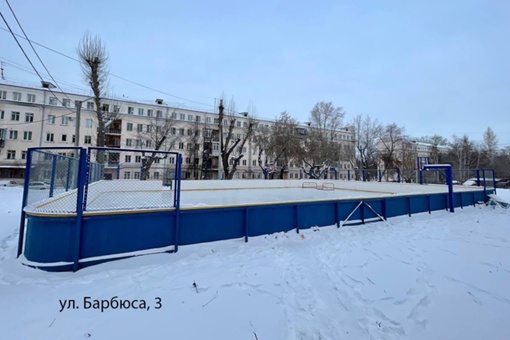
pixel 43 117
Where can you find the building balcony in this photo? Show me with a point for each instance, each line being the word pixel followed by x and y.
pixel 113 131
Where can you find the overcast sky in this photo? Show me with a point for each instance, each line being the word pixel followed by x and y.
pixel 433 67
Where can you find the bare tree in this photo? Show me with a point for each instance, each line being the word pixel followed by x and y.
pixel 229 141
pixel 319 149
pixel 156 137
pixel 367 132
pixel 489 146
pixel 279 145
pixel 94 64
pixel 465 154
pixel 390 141
pixel 193 148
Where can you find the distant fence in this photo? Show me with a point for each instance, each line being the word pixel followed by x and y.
pixel 416 176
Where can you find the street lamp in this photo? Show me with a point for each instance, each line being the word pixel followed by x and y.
pixel 46 85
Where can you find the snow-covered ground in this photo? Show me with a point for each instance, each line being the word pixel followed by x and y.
pixel 437 276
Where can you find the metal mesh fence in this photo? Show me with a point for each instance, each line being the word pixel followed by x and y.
pixel 53 176
pixel 121 179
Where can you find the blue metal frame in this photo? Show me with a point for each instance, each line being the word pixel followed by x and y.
pixel 80 207
pixel 28 171
pixel 449 181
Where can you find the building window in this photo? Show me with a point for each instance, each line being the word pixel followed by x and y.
pixel 140 111
pixel 13 134
pixel 127 159
pixel 157 160
pixel 2 114
pixel 27 135
pixel 190 118
pixel 105 108
pixel 31 98
pixel 197 119
pixel 148 144
pixel 129 126
pixel 49 137
pixel 53 101
pixel 63 138
pixel 150 113
pixel 16 96
pixel 156 175
pixel 137 174
pixel 29 117
pixel 244 161
pixel 181 132
pixel 11 154
pixel 3 94
pixel 138 143
pixel 88 123
pixel 254 163
pixel 188 146
pixel 208 120
pixel 149 128
pixel 129 142
pixel 139 127
pixel 181 146
pixel 131 110
pixel 127 175
pixel 238 124
pixel 90 106
pixel 245 124
pixel 66 102
pixel 190 132
pixel 138 159
pixel 73 139
pixel 23 155
pixel 188 160
pixel 15 116
pixel 159 114
pixel 64 120
pixel 51 119
pixel 182 116
pixel 116 108
pixel 87 140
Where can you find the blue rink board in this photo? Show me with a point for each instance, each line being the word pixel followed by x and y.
pixel 50 238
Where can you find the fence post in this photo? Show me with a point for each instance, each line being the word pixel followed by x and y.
pixel 450 187
pixel 87 179
pixel 484 186
pixel 177 201
pixel 53 174
pixel 21 234
pixel 494 180
pixel 398 175
pixel 68 178
pixel 80 205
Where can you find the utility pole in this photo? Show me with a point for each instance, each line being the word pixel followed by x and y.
pixel 77 104
pixel 220 125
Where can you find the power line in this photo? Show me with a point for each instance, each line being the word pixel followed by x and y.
pixel 30 62
pixel 114 75
pixel 37 54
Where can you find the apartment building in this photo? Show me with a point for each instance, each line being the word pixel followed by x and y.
pixel 43 117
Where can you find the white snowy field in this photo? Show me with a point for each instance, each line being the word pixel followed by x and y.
pixel 437 276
